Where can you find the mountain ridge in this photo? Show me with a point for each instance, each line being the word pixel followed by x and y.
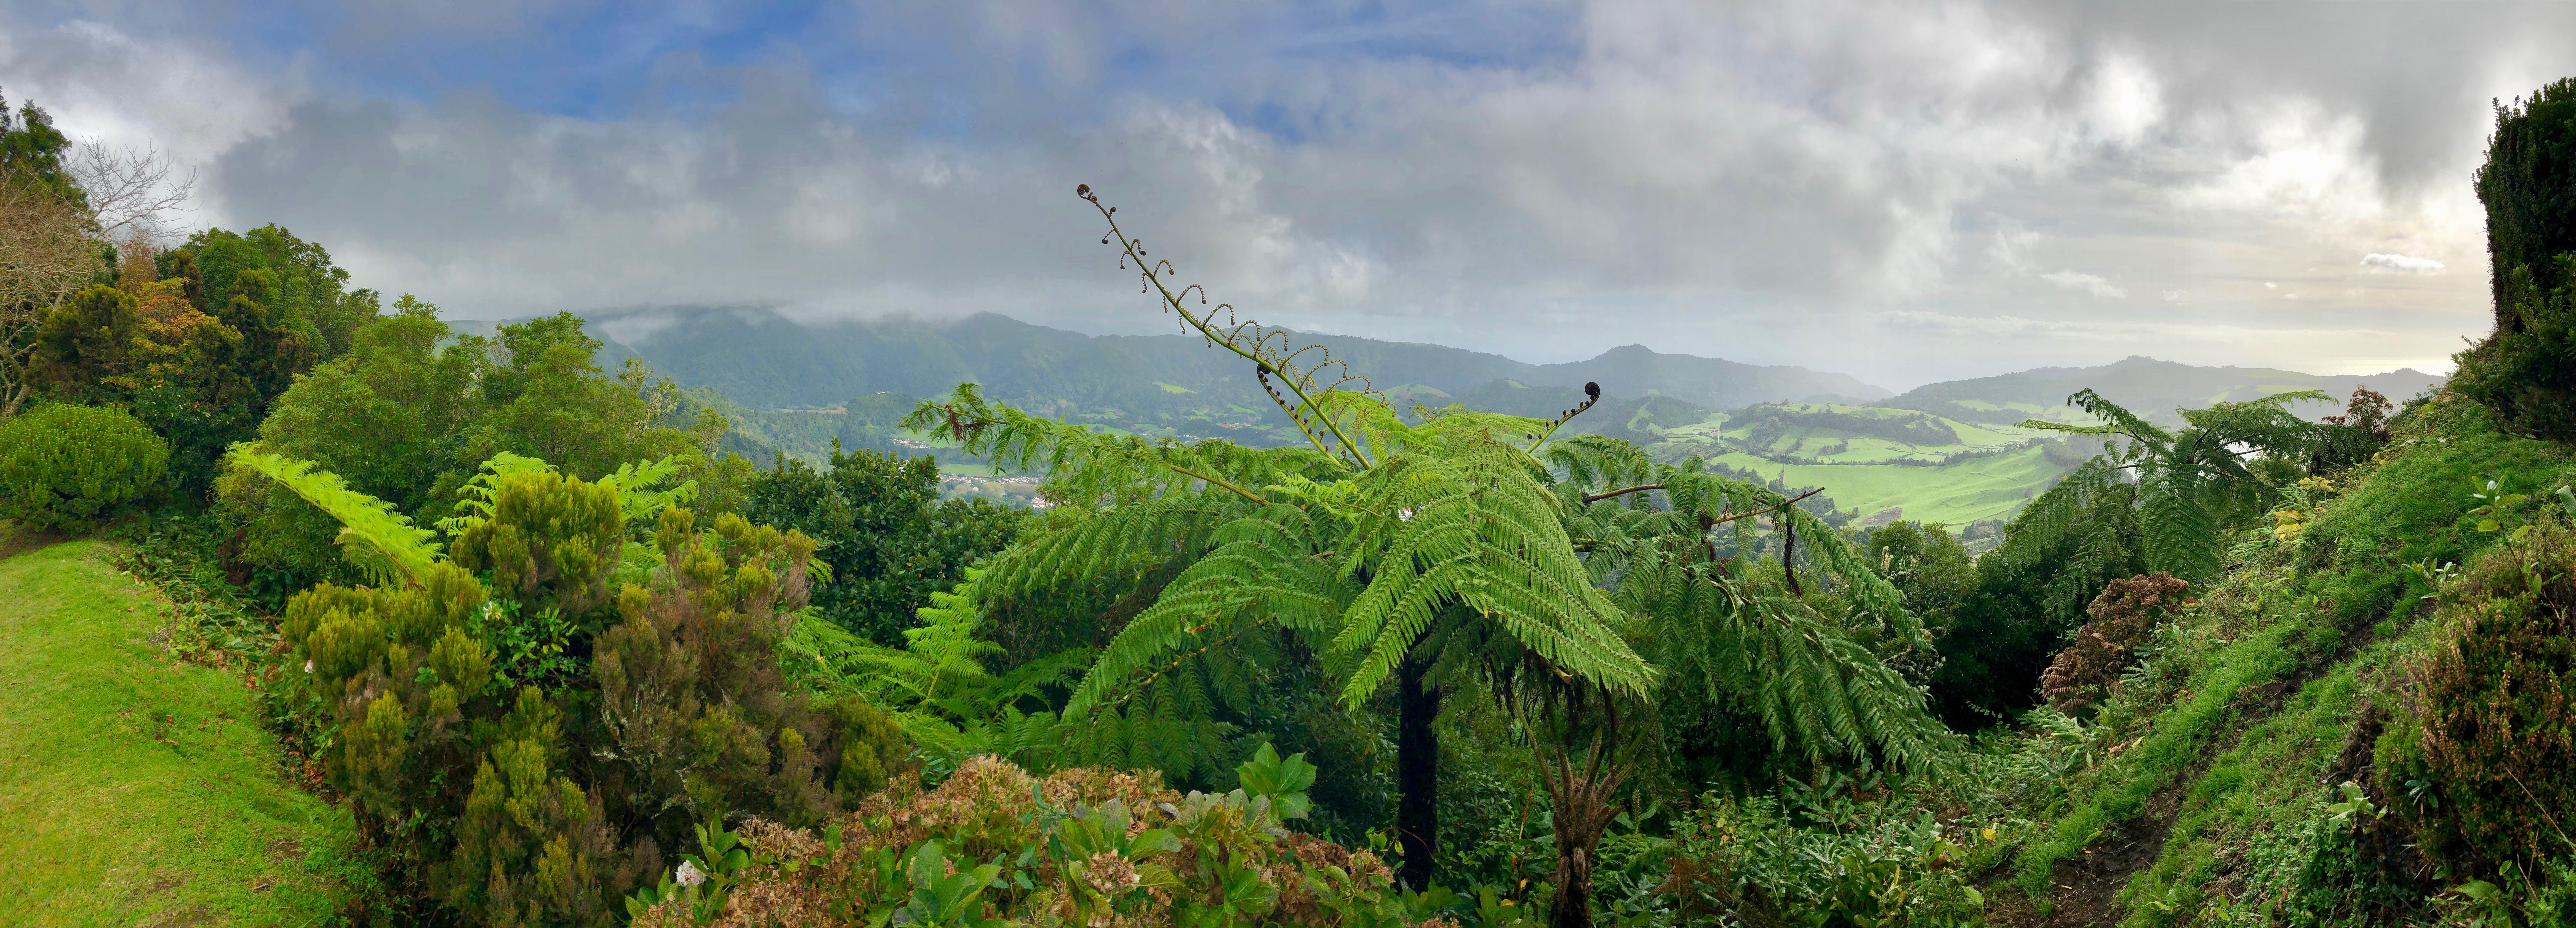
pixel 818 363
pixel 2146 386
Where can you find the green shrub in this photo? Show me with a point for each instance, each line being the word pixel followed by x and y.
pixel 2482 761
pixel 521 746
pixel 1763 861
pixel 552 542
pixel 2528 187
pixel 2528 374
pixel 61 466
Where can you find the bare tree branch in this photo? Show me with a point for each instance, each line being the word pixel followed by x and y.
pixel 48 250
pixel 130 192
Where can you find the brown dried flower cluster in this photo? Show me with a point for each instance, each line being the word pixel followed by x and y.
pixel 991 810
pixel 2123 616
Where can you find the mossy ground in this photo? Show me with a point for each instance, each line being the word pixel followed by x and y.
pixel 137 790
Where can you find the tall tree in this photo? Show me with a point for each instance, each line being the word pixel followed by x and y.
pixel 2526 370
pixel 889 538
pixel 49 246
pixel 2528 185
pixel 33 154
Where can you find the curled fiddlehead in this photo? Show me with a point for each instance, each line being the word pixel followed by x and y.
pixel 1276 363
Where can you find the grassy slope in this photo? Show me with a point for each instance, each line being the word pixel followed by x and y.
pixel 1957 494
pixel 133 790
pixel 2225 771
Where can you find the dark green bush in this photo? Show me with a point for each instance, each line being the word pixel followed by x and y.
pixel 2527 374
pixel 889 538
pixel 2527 369
pixel 2528 187
pixel 61 466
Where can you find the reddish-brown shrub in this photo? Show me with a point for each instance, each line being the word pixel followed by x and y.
pixel 2124 615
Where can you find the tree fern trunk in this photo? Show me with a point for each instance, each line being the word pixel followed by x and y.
pixel 1417 771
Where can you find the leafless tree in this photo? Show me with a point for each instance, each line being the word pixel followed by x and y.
pixel 131 192
pixel 49 249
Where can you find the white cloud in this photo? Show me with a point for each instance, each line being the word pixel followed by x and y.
pixel 2399 264
pixel 2089 283
pixel 2010 251
pixel 1699 171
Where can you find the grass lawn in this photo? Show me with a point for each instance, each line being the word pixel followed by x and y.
pixel 136 791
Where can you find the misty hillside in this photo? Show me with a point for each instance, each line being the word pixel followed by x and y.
pixel 2146 386
pixel 765 360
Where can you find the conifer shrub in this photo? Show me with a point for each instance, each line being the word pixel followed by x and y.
pixel 552 541
pixel 521 745
pixel 2481 757
pixel 690 694
pixel 61 466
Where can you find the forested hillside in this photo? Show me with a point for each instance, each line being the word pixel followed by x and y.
pixel 529 641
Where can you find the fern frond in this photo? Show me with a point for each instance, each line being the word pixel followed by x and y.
pixel 376 538
pixel 475 499
pixel 636 483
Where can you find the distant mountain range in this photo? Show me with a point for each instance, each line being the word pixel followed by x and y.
pixel 2147 387
pixel 766 364
pixel 765 360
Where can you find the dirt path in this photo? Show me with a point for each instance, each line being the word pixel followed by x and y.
pixel 2085 888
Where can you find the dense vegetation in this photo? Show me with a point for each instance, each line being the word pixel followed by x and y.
pixel 553 656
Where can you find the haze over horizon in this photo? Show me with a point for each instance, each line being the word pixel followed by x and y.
pixel 1902 192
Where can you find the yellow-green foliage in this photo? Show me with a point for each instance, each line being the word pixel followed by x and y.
pixel 399 673
pixel 533 848
pixel 552 540
pixel 490 795
pixel 873 749
pixel 2485 751
pixel 63 465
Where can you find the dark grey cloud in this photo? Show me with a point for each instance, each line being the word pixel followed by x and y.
pixel 1902 191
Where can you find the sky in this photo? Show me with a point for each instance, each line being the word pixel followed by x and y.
pixel 1906 192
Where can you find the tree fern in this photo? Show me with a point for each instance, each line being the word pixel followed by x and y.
pixel 1359 542
pixel 1382 544
pixel 640 494
pixel 2185 484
